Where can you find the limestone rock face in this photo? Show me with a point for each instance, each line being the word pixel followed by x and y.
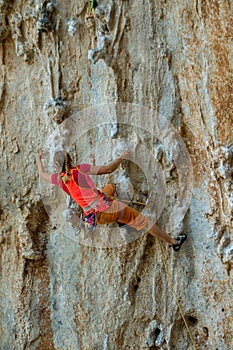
pixel 153 76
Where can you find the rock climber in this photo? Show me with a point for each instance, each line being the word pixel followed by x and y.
pixel 99 207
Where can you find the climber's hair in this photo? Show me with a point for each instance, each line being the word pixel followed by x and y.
pixel 63 160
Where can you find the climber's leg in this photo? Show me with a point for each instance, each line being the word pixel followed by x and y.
pixel 119 212
pixel 110 215
pixel 135 219
pixel 157 232
pixel 131 217
pixel 109 189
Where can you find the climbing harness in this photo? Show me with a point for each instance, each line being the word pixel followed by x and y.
pixel 175 296
pixel 91 211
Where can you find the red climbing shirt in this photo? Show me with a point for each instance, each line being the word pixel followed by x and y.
pixel 82 189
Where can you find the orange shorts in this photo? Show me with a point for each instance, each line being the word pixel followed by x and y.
pixel 119 212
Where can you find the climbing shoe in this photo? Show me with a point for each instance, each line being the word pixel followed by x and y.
pixel 180 240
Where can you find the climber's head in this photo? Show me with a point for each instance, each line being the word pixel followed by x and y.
pixel 63 163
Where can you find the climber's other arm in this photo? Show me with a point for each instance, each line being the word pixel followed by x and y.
pixel 111 167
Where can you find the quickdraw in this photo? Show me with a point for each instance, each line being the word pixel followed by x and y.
pixel 90 220
pixel 91 10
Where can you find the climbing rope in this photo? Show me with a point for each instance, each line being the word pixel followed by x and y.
pixel 175 296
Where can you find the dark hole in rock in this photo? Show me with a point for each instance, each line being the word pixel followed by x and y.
pixel 135 287
pixel 139 279
pixel 192 320
pixel 157 332
pixel 206 331
pixel 223 309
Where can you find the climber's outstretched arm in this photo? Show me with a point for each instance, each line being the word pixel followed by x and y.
pixel 111 167
pixel 43 174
